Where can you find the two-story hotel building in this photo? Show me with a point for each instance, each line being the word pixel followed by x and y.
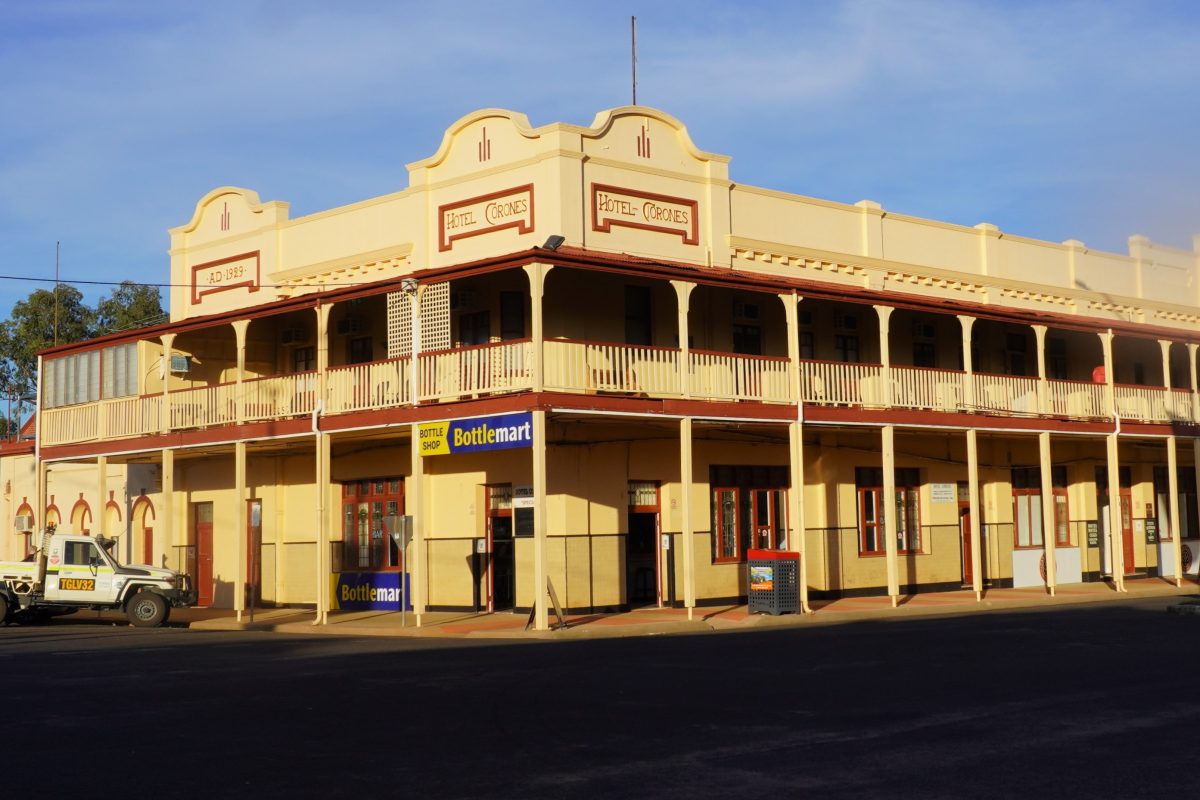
pixel 585 355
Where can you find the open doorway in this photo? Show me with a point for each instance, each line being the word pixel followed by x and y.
pixel 643 556
pixel 501 562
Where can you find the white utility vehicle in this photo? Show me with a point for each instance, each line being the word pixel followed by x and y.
pixel 71 572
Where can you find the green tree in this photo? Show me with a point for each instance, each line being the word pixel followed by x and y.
pixel 34 325
pixel 129 305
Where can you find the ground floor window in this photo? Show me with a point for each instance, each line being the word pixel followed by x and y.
pixel 872 511
pixel 749 510
pixel 369 506
pixel 1027 507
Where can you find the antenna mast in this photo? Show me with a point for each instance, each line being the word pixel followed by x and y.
pixel 56 246
pixel 633 53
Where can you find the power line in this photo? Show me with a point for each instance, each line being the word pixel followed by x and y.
pixel 84 282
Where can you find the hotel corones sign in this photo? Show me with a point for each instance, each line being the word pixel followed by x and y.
pixel 509 208
pixel 632 208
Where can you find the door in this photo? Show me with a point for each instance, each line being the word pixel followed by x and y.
pixel 84 574
pixel 1127 530
pixel 254 551
pixel 148 545
pixel 766 511
pixel 964 531
pixel 641 550
pixel 202 552
pixel 501 559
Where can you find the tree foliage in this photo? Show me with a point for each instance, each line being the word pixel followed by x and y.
pixel 129 305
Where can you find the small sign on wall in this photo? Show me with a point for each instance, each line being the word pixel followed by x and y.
pixel 522 497
pixel 943 493
pixel 1093 533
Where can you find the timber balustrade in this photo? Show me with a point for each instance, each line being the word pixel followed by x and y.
pixel 602 367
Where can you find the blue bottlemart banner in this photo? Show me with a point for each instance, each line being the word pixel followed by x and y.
pixel 499 432
pixel 368 591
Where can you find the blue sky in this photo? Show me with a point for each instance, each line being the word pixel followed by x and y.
pixel 1071 120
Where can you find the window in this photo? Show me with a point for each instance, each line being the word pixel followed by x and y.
pixel 747 340
pixel 846 347
pixel 474 328
pixel 359 350
pixel 72 379
pixel 1056 358
pixel 807 348
pixel 1189 525
pixel 119 370
pixel 1016 346
pixel 1027 507
pixel 638 327
pixel 304 359
pixel 872 511
pixel 80 554
pixel 367 505
pixel 924 354
pixel 512 316
pixel 749 508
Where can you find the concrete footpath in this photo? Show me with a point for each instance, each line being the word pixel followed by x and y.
pixel 657 621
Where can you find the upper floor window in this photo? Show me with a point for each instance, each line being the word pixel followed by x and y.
pixel 846 347
pixel 1056 358
pixel 1016 349
pixel 304 359
pixel 86 377
pixel 638 323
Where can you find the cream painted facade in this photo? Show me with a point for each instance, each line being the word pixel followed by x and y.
pixel 954 403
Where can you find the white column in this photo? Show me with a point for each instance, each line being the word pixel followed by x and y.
pixel 973 501
pixel 1106 342
pixel 102 486
pixel 168 340
pixel 1173 506
pixel 968 364
pixel 537 280
pixel 324 566
pixel 1192 347
pixel 796 505
pixel 239 481
pixel 887 507
pixel 685 517
pixel 414 501
pixel 1048 526
pixel 683 294
pixel 540 594
pixel 1115 533
pixel 1039 335
pixel 322 342
pixel 168 512
pixel 885 355
pixel 239 331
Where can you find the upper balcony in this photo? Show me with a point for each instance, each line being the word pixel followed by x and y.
pixel 480 337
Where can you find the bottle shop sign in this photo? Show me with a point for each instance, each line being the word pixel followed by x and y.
pixel 499 432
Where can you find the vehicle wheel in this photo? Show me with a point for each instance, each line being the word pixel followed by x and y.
pixel 147 610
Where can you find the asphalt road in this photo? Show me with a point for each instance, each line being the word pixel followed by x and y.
pixel 1066 702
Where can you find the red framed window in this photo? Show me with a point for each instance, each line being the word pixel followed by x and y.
pixel 1027 507
pixel 872 511
pixel 367 507
pixel 749 510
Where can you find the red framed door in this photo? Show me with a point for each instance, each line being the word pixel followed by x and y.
pixel 148 545
pixel 1127 530
pixel 964 530
pixel 202 542
pixel 254 550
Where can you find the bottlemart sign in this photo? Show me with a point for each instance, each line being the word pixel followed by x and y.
pixel 499 432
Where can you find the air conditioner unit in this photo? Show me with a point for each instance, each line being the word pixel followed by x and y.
pixel 181 363
pixel 464 299
pixel 845 322
pixel 23 523
pixel 296 335
pixel 743 310
pixel 349 325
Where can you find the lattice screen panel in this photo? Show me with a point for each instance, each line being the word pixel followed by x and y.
pixel 435 320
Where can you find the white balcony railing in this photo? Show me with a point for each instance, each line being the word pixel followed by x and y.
pixel 279 396
pixel 573 366
pixel 726 376
pixel 933 389
pixel 1077 399
pixel 472 371
pixel 361 387
pixel 1006 394
pixel 131 416
pixel 834 383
